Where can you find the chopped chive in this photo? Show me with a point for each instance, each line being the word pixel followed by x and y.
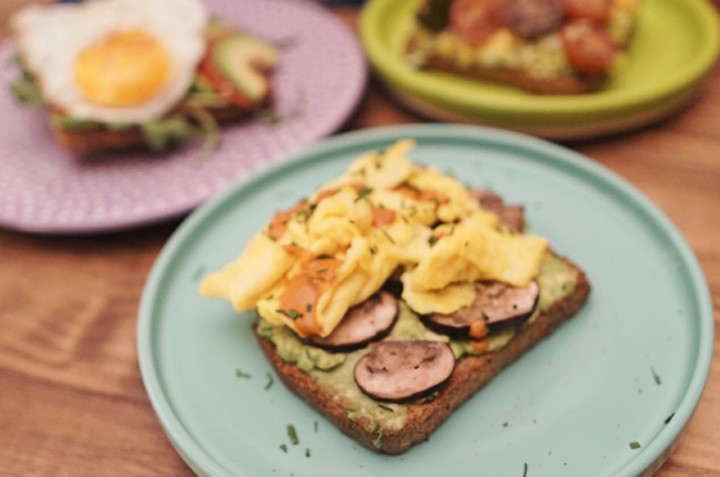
pixel 374 428
pixel 199 272
pixel 292 434
pixel 525 469
pixel 433 240
pixel 373 249
pixel 485 316
pixel 270 381
pixel 656 376
pixel 388 236
pixel 378 439
pixel 385 407
pixel 363 193
pixel 283 447
pixel 307 452
pixel 308 307
pixel 315 426
pixel 239 373
pixel 669 418
pixel 291 313
pixel 634 445
pixel 324 256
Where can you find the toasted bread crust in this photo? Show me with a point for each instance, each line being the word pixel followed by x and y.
pixel 471 373
pixel 88 142
pixel 515 77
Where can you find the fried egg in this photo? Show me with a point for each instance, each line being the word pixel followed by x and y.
pixel 122 61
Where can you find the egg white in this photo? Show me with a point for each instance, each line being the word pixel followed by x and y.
pixel 50 38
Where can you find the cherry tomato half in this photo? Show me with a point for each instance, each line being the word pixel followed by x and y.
pixel 475 20
pixel 594 11
pixel 221 84
pixel 588 49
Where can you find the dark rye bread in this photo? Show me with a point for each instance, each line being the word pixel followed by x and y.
pixel 515 77
pixel 87 142
pixel 470 374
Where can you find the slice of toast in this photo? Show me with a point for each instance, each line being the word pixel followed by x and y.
pixel 87 142
pixel 393 428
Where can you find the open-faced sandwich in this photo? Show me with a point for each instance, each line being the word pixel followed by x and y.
pixel 393 293
pixel 541 46
pixel 117 75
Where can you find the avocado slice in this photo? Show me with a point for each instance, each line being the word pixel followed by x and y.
pixel 241 59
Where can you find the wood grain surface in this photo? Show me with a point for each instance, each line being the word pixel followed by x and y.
pixel 72 402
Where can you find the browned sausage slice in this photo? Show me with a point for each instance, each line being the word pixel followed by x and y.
pixel 510 216
pixel 496 305
pixel 365 322
pixel 401 370
pixel 533 18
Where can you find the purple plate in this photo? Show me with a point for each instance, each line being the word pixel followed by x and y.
pixel 43 189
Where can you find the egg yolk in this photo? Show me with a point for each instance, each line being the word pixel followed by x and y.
pixel 124 69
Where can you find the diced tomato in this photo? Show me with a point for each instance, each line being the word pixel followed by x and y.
pixel 595 11
pixel 589 50
pixel 475 20
pixel 222 85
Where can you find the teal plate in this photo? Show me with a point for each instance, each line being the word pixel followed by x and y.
pixel 607 395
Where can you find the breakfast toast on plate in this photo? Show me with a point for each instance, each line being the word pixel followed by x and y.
pixel 540 46
pixel 117 75
pixel 393 293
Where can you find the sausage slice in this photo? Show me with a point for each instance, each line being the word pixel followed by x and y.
pixel 510 216
pixel 365 322
pixel 496 305
pixel 533 18
pixel 401 370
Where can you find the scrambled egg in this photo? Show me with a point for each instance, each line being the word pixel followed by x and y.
pixel 315 260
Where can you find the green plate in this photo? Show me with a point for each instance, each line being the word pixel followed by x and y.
pixel 675 44
pixel 637 354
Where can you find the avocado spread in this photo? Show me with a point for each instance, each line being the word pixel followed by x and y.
pixel 335 370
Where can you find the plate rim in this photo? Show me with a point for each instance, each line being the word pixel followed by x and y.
pixel 650 457
pixel 574 107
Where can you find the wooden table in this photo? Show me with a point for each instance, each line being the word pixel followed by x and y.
pixel 72 402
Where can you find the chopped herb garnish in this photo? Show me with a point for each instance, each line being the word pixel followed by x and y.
pixel 239 373
pixel 413 210
pixel 388 236
pixel 525 469
pixel 292 434
pixel 378 439
pixel 324 256
pixel 199 272
pixel 363 193
pixel 386 407
pixel 270 296
pixel 270 381
pixel 315 426
pixel 634 445
pixel 283 447
pixel 292 313
pixel 515 307
pixel 485 316
pixel 374 428
pixel 656 376
pixel 433 240
pixel 303 215
pixel 373 249
pixel 307 452
pixel 308 307
pixel 669 418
